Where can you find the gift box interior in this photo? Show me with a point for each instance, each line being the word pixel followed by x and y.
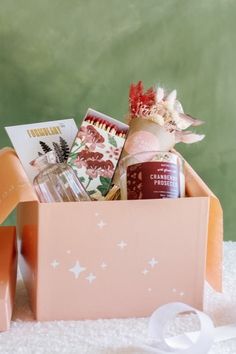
pixel 106 259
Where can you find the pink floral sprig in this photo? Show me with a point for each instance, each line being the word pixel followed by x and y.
pixel 95 164
pixel 114 152
pixel 103 168
pixel 163 108
pixel 89 135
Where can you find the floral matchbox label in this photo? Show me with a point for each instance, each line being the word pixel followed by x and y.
pixel 96 151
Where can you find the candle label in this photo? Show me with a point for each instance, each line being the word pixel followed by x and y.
pixel 153 180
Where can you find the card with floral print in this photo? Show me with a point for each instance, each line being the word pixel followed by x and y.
pixel 96 151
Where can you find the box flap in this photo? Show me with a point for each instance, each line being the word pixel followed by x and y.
pixel 15 186
pixel 8 266
pixel 195 187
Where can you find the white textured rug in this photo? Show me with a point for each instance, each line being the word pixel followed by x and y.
pixel 113 336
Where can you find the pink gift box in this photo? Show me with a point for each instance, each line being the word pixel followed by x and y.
pixel 109 259
pixel 8 267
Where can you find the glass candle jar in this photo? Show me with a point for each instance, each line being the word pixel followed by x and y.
pixel 57 182
pixel 152 175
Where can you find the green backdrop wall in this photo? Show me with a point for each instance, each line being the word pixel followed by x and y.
pixel 57 58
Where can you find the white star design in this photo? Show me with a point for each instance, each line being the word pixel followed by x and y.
pixel 77 269
pixel 122 244
pixel 145 271
pixel 153 262
pixel 174 290
pixel 91 278
pixel 55 263
pixel 103 265
pixel 181 293
pixel 101 224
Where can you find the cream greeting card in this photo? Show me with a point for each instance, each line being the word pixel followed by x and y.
pixel 33 140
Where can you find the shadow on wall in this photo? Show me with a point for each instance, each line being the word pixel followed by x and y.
pixel 18 92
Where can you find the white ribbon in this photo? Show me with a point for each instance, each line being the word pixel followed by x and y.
pixel 188 343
